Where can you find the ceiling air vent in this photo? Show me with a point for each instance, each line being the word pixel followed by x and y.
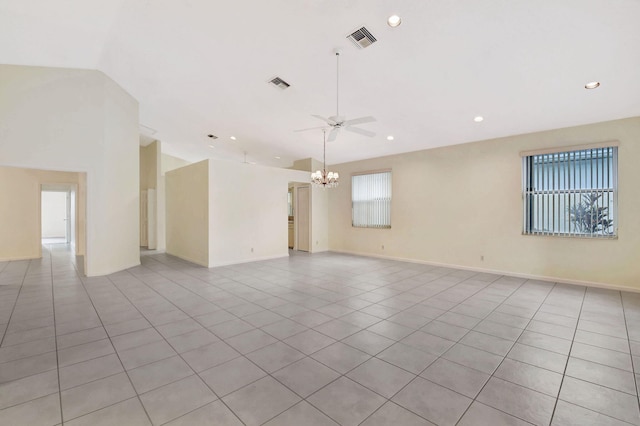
pixel 362 38
pixel 279 83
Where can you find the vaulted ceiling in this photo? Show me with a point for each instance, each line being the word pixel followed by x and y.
pixel 201 67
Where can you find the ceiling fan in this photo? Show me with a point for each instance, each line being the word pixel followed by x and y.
pixel 338 122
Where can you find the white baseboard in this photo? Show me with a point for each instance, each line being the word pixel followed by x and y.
pixel 16 258
pixel 188 259
pixel 253 259
pixel 498 272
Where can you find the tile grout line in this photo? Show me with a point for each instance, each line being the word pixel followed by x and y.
pixel 15 303
pixel 626 327
pixel 564 373
pixel 55 334
pixel 168 343
pixel 488 284
pixel 474 399
pixel 114 349
pixel 343 375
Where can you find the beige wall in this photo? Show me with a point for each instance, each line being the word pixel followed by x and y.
pixel 79 120
pixel 187 212
pixel 149 165
pixel 20 210
pixel 455 204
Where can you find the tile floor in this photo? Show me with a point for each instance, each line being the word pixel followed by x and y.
pixel 319 339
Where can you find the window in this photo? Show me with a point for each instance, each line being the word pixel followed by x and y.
pixel 371 200
pixel 571 193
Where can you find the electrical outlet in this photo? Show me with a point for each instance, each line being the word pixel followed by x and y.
pixel 383 247
pixel 482 258
pixel 316 242
pixel 251 249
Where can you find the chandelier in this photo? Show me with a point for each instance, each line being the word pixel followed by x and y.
pixel 323 178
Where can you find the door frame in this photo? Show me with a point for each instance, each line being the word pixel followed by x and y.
pixel 296 219
pixel 67 188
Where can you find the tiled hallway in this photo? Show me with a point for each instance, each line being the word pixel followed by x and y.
pixel 323 339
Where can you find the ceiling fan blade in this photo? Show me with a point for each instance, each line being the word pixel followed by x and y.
pixel 361 120
pixel 360 131
pixel 333 134
pixel 310 128
pixel 326 120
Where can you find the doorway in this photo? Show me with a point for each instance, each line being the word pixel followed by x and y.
pixel 58 214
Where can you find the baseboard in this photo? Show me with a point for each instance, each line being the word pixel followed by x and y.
pixel 114 270
pixel 11 259
pixel 188 259
pixel 497 271
pixel 255 259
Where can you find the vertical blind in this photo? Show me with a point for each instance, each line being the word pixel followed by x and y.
pixel 371 200
pixel 571 193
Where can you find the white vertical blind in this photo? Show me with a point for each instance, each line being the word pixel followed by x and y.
pixel 371 200
pixel 572 193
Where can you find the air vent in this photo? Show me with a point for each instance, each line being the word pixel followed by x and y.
pixel 362 38
pixel 279 83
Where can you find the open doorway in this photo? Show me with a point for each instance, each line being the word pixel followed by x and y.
pixel 58 214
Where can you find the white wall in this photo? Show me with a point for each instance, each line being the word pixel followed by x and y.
pixel 79 120
pixel 54 214
pixel 248 209
pixel 455 204
pixel 187 212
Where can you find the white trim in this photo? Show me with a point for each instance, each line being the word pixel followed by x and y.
pixel 113 271
pixel 197 262
pixel 498 272
pixel 255 259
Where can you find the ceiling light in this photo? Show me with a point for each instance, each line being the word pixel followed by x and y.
pixel 277 158
pixel 394 21
pixel 211 146
pixel 389 138
pixel 478 119
pixel 323 178
pixel 592 85
pixel 233 138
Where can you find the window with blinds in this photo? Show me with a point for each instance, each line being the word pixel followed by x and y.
pixel 572 193
pixel 371 200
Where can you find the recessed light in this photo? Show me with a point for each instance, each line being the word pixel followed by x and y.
pixel 478 119
pixel 233 138
pixel 212 136
pixel 394 20
pixel 277 158
pixel 252 162
pixel 211 146
pixel 389 138
pixel 592 85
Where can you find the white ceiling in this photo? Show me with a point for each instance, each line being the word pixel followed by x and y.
pixel 201 66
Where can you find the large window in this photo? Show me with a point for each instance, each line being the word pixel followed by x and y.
pixel 371 200
pixel 571 193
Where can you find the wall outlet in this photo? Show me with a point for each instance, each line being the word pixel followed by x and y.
pixel 251 249
pixel 316 242
pixel 383 247
pixel 482 257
